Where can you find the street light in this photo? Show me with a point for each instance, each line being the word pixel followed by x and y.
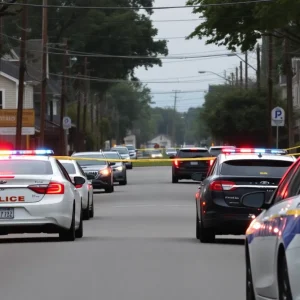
pixel 203 72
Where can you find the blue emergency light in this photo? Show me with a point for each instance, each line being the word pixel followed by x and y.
pixel 27 152
pixel 254 150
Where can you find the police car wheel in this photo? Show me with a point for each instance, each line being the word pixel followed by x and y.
pixel 249 282
pixel 284 287
pixel 68 235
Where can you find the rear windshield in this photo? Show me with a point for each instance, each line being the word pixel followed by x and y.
pixel 120 150
pixel 112 155
pixel 69 168
pixel 25 167
pixel 255 167
pixel 215 151
pixel 91 162
pixel 193 153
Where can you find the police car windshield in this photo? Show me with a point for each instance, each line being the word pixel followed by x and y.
pixel 120 150
pixel 262 168
pixel 191 153
pixel 91 162
pixel 69 168
pixel 25 167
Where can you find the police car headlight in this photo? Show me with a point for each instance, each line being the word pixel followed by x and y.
pixel 118 168
pixel 104 172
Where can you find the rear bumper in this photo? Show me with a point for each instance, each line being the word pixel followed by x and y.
pixel 48 216
pixel 227 223
pixel 187 173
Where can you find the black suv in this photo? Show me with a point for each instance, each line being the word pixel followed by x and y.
pixel 184 169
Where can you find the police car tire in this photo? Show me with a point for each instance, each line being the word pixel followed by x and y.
pixel 174 179
pixel 249 281
pixel 284 288
pixel 86 212
pixel 79 230
pixel 68 235
pixel 92 209
pixel 110 189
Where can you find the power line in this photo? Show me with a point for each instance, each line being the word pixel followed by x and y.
pixel 137 7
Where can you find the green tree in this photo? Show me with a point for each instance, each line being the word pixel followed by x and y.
pixel 241 25
pixel 237 116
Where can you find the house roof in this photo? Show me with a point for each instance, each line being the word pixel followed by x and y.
pixel 12 69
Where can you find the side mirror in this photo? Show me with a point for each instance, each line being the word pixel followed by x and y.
pixel 111 163
pixel 197 177
pixel 172 156
pixel 79 180
pixel 90 176
pixel 254 200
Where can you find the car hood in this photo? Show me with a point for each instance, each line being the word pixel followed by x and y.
pixel 93 167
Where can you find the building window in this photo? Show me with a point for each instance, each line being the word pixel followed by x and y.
pixel 1 99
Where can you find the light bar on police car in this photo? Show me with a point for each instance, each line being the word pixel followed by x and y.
pixel 254 150
pixel 27 152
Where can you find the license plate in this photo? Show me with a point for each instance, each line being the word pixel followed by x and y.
pixel 6 213
pixel 194 163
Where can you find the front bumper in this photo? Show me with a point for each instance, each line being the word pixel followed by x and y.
pixel 101 182
pixel 119 175
pixel 49 215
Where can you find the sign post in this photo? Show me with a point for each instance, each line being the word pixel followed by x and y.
pixel 278 120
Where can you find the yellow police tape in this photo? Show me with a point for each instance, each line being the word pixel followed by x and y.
pixel 133 160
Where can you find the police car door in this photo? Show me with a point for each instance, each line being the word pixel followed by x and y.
pixel 272 231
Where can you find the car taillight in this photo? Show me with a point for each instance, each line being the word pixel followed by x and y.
pixel 176 163
pixel 53 188
pixel 90 186
pixel 79 186
pixel 221 185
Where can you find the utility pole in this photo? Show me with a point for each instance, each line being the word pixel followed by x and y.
pixel 289 86
pixel 85 96
pixel 241 73
pixel 258 67
pixel 1 35
pixel 22 70
pixel 63 100
pixel 174 119
pixel 270 90
pixel 232 78
pixel 79 115
pixel 237 76
pixel 246 70
pixel 44 73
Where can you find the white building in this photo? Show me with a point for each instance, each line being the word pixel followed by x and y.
pixel 162 140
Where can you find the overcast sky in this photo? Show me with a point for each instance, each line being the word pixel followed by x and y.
pixel 179 70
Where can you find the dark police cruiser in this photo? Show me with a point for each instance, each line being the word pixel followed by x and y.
pixel 234 173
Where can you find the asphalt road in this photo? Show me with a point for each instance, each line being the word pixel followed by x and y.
pixel 140 246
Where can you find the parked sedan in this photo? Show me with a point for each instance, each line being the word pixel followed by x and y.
pixel 85 190
pixel 119 168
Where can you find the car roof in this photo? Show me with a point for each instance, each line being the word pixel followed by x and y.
pixel 220 147
pixel 255 156
pixel 86 153
pixel 194 148
pixel 67 161
pixel 111 152
pixel 118 147
pixel 26 157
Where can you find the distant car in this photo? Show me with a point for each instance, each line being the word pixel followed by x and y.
pixel 132 151
pixel 38 196
pixel 216 150
pixel 184 169
pixel 119 169
pixel 171 151
pixel 85 190
pixel 155 154
pixel 100 169
pixel 124 152
pixel 234 174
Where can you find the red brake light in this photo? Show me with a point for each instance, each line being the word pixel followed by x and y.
pixel 79 186
pixel 244 150
pixel 222 185
pixel 176 163
pixel 53 188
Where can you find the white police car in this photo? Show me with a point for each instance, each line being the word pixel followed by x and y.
pixel 273 241
pixel 37 195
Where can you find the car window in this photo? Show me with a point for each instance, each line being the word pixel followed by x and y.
pixel 255 167
pixel 25 167
pixel 130 147
pixel 70 168
pixel 120 150
pixel 191 153
pixel 84 162
pixel 64 172
pixel 80 169
pixel 112 155
pixel 213 168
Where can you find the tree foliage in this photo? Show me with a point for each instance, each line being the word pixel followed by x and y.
pixel 7 8
pixel 240 25
pixel 237 116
